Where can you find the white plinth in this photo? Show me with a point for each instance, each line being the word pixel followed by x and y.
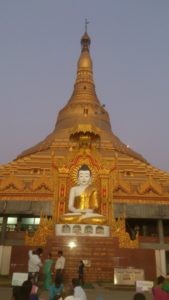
pixel 82 230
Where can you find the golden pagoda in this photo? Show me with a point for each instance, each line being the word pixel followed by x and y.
pixel 133 195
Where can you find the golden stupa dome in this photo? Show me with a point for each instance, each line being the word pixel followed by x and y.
pixel 85 61
pixel 83 112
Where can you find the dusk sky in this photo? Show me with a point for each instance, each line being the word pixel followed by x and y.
pixel 39 49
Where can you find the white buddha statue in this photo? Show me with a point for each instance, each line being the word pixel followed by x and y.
pixel 83 204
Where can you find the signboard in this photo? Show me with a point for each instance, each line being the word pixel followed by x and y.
pixel 127 276
pixel 19 278
pixel 144 286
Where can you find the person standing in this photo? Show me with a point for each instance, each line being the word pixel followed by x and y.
pixel 81 272
pixel 47 271
pixel 59 266
pixel 34 263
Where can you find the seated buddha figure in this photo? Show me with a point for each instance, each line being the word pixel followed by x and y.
pixel 83 204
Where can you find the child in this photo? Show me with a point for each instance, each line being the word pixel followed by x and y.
pixel 56 289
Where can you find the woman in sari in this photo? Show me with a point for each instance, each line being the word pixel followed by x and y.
pixel 47 271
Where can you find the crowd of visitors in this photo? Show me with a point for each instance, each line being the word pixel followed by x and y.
pixel 53 281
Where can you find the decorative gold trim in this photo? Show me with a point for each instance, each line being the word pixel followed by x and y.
pixel 12 181
pixel 40 236
pixel 150 185
pixel 119 183
pixel 119 231
pixel 42 182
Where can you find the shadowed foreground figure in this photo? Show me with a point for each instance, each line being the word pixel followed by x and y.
pixel 56 289
pixel 22 292
pixel 161 289
pixel 78 290
pixel 139 296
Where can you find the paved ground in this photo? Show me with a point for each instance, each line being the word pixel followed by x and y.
pixel 92 294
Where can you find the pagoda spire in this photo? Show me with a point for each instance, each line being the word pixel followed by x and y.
pixel 86 23
pixel 84 87
pixel 85 40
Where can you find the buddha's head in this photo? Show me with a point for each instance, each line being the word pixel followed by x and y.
pixel 84 175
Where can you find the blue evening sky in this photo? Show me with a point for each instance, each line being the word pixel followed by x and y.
pixel 39 49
